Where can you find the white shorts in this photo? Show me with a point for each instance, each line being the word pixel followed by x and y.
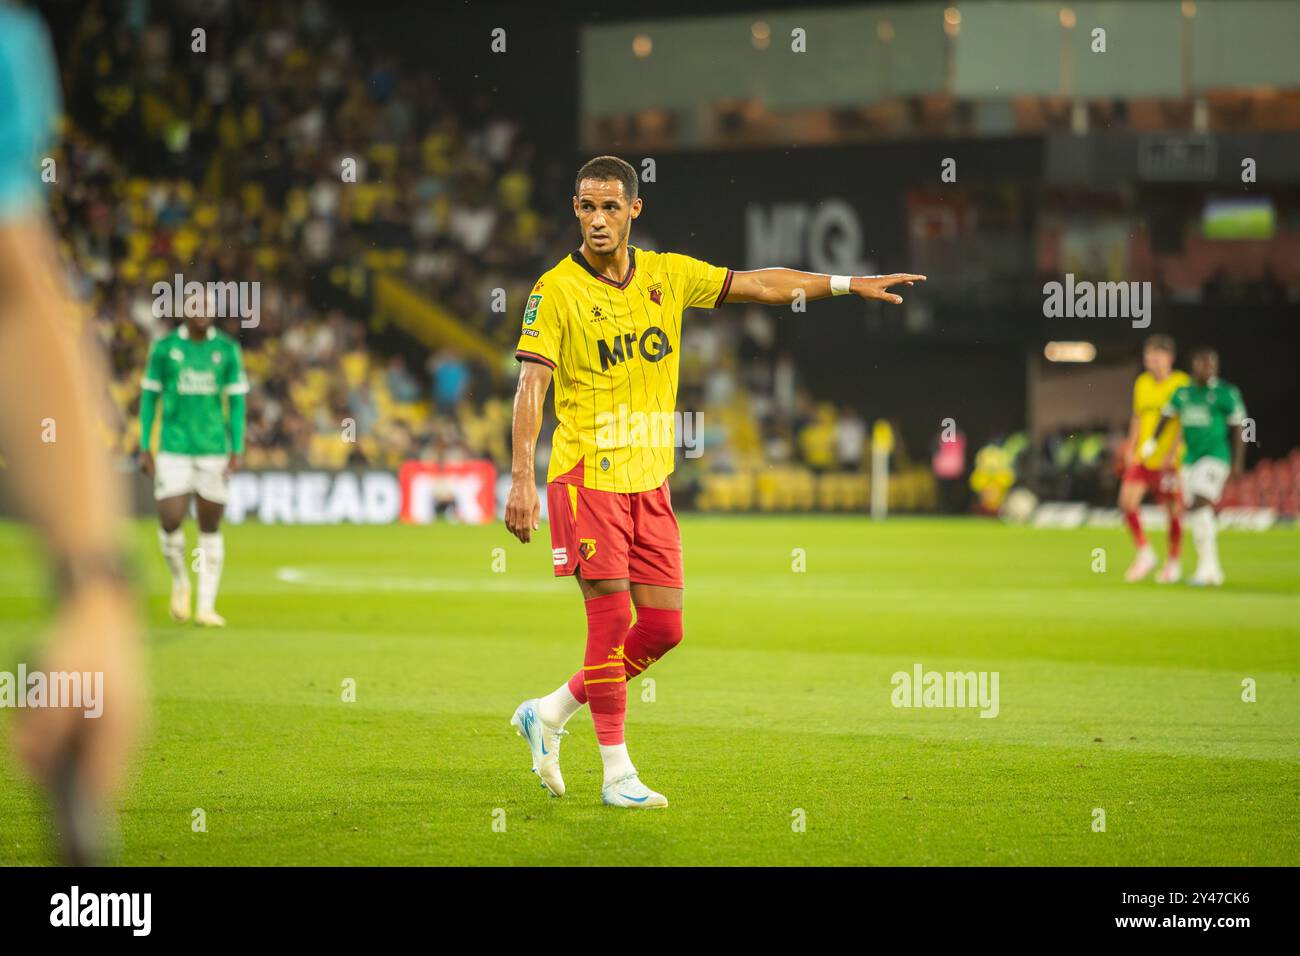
pixel 1205 478
pixel 204 475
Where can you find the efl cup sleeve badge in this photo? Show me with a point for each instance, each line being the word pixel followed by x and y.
pixel 530 311
pixel 587 548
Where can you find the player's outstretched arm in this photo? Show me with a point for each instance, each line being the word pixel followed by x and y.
pixel 523 510
pixel 783 286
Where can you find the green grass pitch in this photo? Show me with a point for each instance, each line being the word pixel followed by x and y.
pixel 775 709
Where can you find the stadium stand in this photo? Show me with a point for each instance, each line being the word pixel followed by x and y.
pixel 373 291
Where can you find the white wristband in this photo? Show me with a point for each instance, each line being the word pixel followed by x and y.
pixel 840 285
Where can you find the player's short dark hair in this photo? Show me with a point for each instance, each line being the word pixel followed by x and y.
pixel 1165 343
pixel 606 168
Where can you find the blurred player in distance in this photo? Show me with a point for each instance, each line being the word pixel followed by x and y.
pixel 1209 412
pixel 51 380
pixel 1153 468
pixel 194 373
pixel 605 325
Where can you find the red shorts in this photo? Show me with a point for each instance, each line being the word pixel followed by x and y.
pixel 1162 483
pixel 612 535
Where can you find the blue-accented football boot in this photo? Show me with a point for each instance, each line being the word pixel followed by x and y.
pixel 544 743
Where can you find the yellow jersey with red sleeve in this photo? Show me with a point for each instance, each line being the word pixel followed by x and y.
pixel 615 347
pixel 1149 399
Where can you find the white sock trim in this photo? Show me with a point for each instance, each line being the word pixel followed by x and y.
pixel 211 558
pixel 558 706
pixel 172 545
pixel 617 762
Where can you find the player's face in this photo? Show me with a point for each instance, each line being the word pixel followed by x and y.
pixel 1158 362
pixel 604 214
pixel 1204 368
pixel 198 324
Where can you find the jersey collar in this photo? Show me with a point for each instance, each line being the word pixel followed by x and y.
pixel 631 268
pixel 184 332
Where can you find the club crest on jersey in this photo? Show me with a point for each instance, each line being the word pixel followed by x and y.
pixel 587 548
pixel 530 310
pixel 656 293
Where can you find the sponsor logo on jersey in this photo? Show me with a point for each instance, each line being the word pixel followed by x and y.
pixel 652 344
pixel 532 332
pixel 530 310
pixel 195 381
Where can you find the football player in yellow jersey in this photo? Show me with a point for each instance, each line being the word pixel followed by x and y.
pixel 1157 470
pixel 605 325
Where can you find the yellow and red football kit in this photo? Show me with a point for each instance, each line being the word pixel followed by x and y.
pixel 614 348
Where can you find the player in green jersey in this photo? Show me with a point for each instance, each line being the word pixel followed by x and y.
pixel 196 372
pixel 1210 413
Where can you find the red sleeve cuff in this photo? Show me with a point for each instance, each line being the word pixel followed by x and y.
pixel 523 356
pixel 726 287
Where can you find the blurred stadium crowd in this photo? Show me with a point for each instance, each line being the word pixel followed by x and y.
pixel 231 165
pixel 292 156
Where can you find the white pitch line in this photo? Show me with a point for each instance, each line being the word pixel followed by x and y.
pixel 338 580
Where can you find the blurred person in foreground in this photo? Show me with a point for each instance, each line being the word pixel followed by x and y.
pixel 61 476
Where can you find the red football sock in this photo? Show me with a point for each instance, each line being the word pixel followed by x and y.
pixel 1135 528
pixel 1175 536
pixel 578 687
pixel 655 633
pixel 608 617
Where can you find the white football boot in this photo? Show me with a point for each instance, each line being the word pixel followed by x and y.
pixel 209 619
pixel 543 741
pixel 180 605
pixel 631 793
pixel 1142 565
pixel 1207 578
pixel 1171 573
